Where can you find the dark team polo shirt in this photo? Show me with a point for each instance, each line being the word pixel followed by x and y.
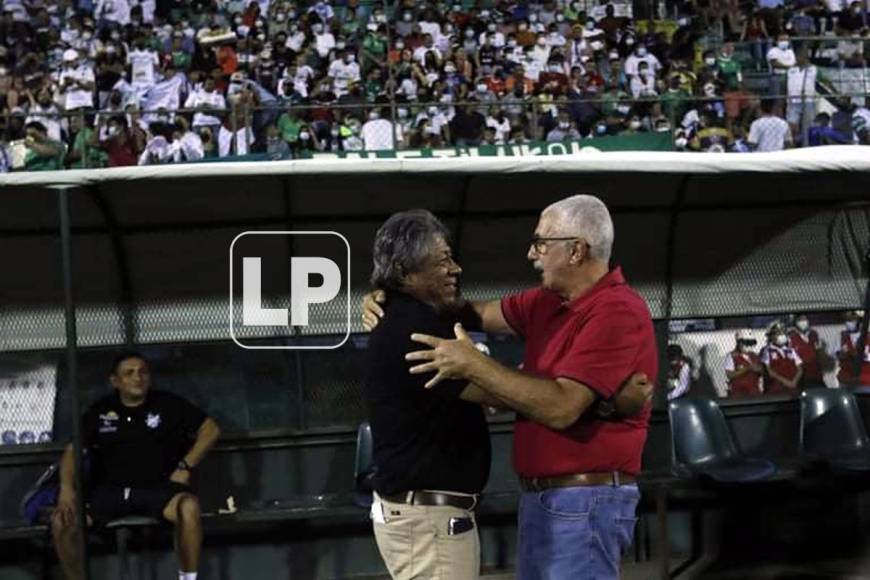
pixel 423 438
pixel 139 446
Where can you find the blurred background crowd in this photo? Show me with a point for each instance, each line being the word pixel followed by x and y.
pixel 87 83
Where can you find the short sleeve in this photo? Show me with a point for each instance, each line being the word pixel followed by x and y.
pixel 796 357
pixel 604 353
pixel 729 363
pixel 190 416
pixel 517 309
pixel 765 356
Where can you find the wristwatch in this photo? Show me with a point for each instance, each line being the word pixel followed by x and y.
pixel 606 409
pixel 183 466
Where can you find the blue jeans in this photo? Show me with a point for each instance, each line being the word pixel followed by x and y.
pixel 575 533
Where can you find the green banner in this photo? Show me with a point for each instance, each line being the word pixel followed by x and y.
pixel 639 142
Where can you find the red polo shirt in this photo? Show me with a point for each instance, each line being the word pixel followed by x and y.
pixel 599 339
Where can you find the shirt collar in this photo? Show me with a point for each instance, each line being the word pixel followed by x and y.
pixel 613 278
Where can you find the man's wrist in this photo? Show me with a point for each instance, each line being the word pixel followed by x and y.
pixel 183 465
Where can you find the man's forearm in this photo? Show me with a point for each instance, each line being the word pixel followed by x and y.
pixel 541 400
pixel 205 439
pixel 67 469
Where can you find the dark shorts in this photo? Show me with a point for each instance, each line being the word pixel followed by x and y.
pixel 108 502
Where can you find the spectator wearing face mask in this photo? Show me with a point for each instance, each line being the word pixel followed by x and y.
pixel 782 364
pixel 743 368
pixel 186 145
pixel 564 129
pixel 324 41
pixel 525 36
pixel 207 101
pixel 343 71
pixel 491 35
pixel 379 133
pixel 122 144
pixel 849 339
pixel 643 84
pixel 679 375
pixel 806 342
pixel 553 78
pixel 641 55
pixel 76 82
pixel 780 58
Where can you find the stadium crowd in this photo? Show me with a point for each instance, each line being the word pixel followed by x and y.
pixel 94 83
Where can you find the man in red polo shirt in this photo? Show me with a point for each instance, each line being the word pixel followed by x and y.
pixel 586 331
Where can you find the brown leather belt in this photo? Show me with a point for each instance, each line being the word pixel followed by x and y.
pixel 433 498
pixel 612 478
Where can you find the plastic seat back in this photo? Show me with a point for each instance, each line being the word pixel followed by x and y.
pixel 364 468
pixel 831 424
pixel 699 434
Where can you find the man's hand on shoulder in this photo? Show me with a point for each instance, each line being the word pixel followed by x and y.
pixel 371 309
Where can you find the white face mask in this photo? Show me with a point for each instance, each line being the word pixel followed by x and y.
pixel 851 326
pixel 533 17
pixel 523 26
pixel 634 125
pixel 374 115
pixel 481 88
pixel 802 325
pixel 564 124
pixel 710 90
pixel 641 51
pixel 305 135
pixel 745 348
pixel 406 17
pixel 710 61
pixel 782 44
pixel 780 340
pixel 490 27
pixel 432 111
pixel 512 43
pixel 542 42
pixel 280 17
pixel 402 112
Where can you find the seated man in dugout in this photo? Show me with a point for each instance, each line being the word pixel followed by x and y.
pixel 141 445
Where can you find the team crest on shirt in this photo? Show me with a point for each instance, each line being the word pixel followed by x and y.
pixel 109 422
pixel 153 421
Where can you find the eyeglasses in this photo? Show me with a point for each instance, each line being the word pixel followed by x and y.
pixel 540 244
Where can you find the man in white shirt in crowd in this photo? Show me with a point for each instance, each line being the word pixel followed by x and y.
pixel 801 85
pixel 324 41
pixel 769 132
pixel 186 144
pixel 496 37
pixel 295 38
pixel 143 63
pixel 428 46
pixel 204 100
pixel 780 57
pixel 377 132
pixel 641 54
pixel 343 71
pixel 76 82
pixel 44 110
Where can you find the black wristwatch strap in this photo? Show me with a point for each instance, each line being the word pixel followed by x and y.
pixel 183 466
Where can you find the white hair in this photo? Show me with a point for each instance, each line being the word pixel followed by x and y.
pixel 587 217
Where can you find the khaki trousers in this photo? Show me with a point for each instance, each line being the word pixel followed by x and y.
pixel 415 543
